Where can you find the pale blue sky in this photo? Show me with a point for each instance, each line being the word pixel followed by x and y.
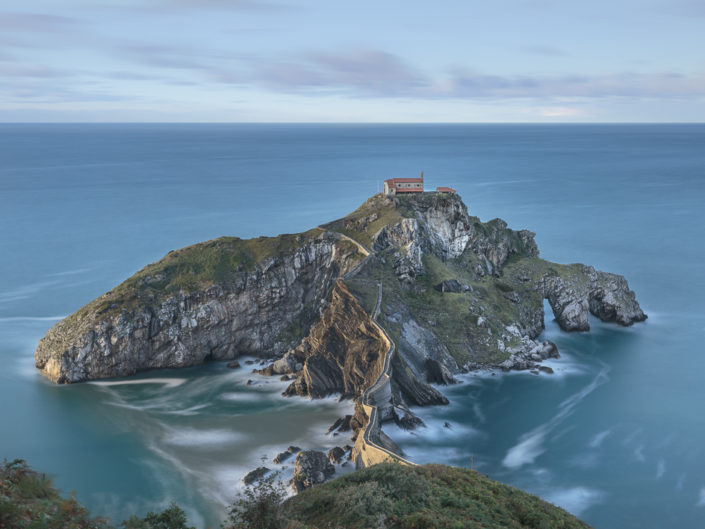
pixel 382 61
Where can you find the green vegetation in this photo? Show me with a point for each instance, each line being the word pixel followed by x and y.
pixel 363 223
pixel 432 496
pixel 388 495
pixel 28 500
pixel 223 261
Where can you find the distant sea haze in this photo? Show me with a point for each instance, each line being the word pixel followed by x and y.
pixel 615 435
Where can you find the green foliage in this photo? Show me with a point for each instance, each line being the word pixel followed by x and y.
pixel 28 500
pixel 258 506
pixel 171 518
pixel 433 497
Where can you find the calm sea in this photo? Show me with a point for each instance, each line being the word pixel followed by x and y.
pixel 616 436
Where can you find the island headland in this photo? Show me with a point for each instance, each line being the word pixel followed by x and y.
pixel 407 291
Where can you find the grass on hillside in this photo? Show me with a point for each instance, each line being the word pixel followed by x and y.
pixel 224 261
pixel 427 497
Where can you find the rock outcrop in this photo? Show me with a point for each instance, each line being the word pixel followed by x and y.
pixel 343 352
pixel 215 300
pixel 586 290
pixel 312 467
pixel 459 294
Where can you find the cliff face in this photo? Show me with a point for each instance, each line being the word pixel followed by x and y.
pixel 342 354
pixel 463 294
pixel 250 297
pixel 457 294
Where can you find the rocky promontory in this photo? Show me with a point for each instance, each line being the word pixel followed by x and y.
pixel 212 301
pixel 402 294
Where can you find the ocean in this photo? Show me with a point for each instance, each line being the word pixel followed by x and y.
pixel 616 435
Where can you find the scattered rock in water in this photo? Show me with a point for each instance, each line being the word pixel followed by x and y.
pixel 546 369
pixel 249 382
pixel 312 467
pixel 446 425
pixel 249 362
pixel 234 364
pixel 284 378
pixel 336 454
pixel 534 371
pixel 286 454
pixel 343 424
pixel 255 475
pixel 408 421
pixel 335 425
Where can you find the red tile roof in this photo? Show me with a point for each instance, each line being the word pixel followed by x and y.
pixel 405 181
pixel 443 189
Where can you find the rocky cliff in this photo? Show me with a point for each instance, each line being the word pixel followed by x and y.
pixel 215 300
pixel 458 294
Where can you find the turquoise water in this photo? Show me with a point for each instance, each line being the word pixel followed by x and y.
pixel 616 435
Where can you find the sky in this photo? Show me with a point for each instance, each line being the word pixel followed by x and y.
pixel 362 61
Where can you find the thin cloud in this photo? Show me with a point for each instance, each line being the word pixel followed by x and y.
pixel 36 23
pixel 364 72
pixel 546 51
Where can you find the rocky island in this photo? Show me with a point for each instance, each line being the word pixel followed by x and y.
pixel 404 293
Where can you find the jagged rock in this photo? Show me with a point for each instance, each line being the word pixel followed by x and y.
pixel 244 313
pixel 255 475
pixel 283 456
pixel 605 295
pixel 287 364
pixel 343 353
pixel 312 467
pixel 336 454
pixel 437 373
pixel 413 391
pixel 341 425
pixel 408 421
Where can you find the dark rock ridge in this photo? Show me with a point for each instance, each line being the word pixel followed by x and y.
pixel 343 353
pixel 255 297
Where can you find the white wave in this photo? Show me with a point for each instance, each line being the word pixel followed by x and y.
pixel 660 468
pixel 70 272
pixel 31 318
pixel 701 499
pixel 193 410
pixel 529 447
pixel 574 500
pixel 530 444
pixel 192 437
pixel 241 396
pixel 168 382
pixel 599 438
